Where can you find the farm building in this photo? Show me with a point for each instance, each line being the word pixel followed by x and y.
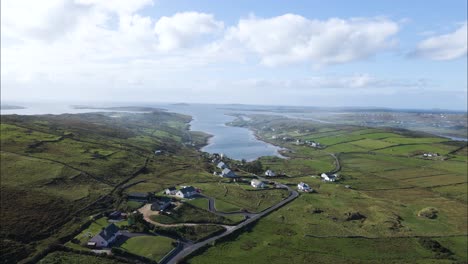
pixel 160 204
pixel 257 183
pixel 186 192
pixel 227 173
pixel 140 197
pixel 105 237
pixel 170 191
pixel 270 173
pixel 328 177
pixel 115 215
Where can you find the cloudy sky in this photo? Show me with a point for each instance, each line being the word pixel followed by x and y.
pixel 392 53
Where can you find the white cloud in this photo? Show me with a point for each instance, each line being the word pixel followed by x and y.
pixel 444 47
pixel 292 38
pixel 182 29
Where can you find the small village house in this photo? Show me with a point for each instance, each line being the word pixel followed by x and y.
pixel 328 177
pixel 105 237
pixel 257 183
pixel 186 192
pixel 270 173
pixel 170 191
pixel 227 173
pixel 304 187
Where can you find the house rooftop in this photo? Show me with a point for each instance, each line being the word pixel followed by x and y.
pixel 108 232
pixel 187 189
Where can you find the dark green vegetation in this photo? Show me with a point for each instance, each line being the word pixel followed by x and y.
pixel 60 257
pixel 402 207
pixel 57 170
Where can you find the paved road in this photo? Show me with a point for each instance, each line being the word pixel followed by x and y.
pixel 187 248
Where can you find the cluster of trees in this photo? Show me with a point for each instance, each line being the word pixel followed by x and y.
pixel 255 167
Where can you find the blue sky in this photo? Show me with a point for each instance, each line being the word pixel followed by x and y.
pixel 402 54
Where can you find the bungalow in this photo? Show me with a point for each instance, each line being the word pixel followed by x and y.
pixel 105 237
pixel 170 191
pixel 270 173
pixel 222 165
pixel 328 177
pixel 304 187
pixel 257 183
pixel 186 192
pixel 139 197
pixel 227 173
pixel 160 204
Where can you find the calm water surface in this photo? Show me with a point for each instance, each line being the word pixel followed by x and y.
pixel 235 142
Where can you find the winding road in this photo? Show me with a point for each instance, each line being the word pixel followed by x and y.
pixel 186 248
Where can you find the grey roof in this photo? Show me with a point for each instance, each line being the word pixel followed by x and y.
pixel 108 232
pixel 172 188
pixel 159 204
pixel 228 172
pixel 221 165
pixel 137 194
pixel 187 189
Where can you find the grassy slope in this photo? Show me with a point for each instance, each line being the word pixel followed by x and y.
pixel 152 247
pixel 51 166
pixel 389 188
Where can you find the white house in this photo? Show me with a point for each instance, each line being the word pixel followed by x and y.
pixel 186 192
pixel 270 173
pixel 328 177
pixel 222 165
pixel 304 187
pixel 105 237
pixel 170 191
pixel 257 183
pixel 227 173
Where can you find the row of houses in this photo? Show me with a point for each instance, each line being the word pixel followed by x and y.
pixel 226 172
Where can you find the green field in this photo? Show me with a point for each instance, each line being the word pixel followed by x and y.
pixel 187 213
pixel 58 170
pixel 152 247
pixel 376 221
pixel 235 197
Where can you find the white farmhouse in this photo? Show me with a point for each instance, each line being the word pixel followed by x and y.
pixel 270 173
pixel 186 192
pixel 328 177
pixel 170 191
pixel 257 183
pixel 304 187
